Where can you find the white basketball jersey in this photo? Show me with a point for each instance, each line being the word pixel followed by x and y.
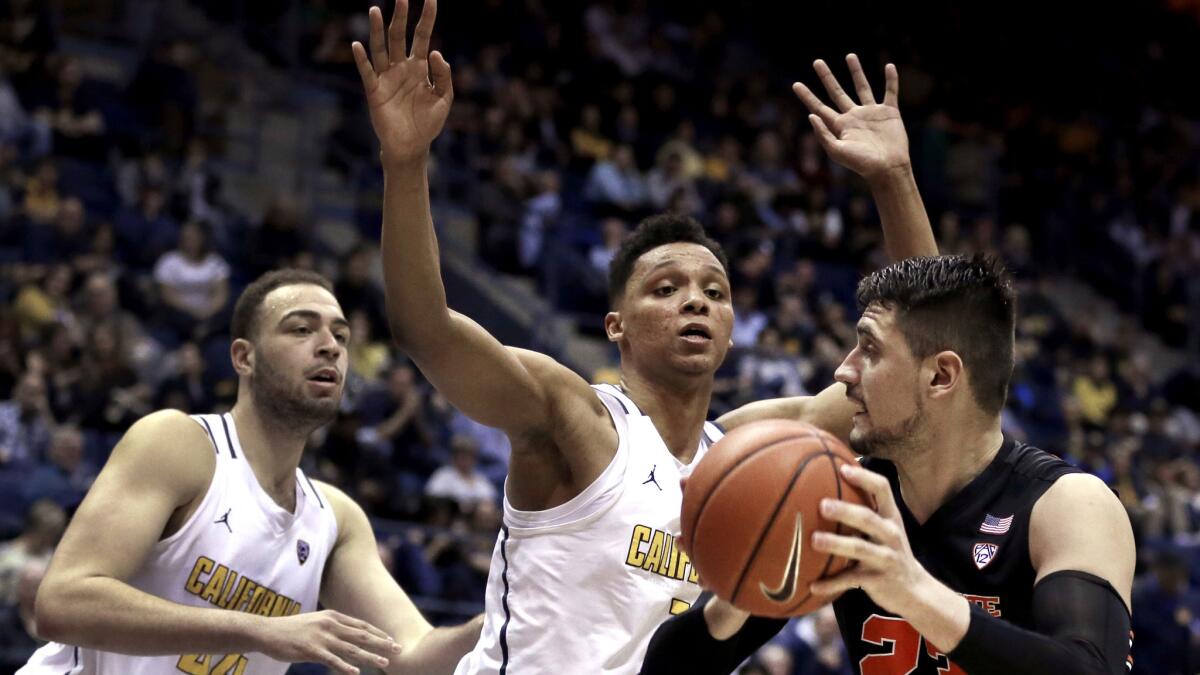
pixel 239 551
pixel 581 587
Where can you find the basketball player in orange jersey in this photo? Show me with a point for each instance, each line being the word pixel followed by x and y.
pixel 585 566
pixel 202 547
pixel 985 555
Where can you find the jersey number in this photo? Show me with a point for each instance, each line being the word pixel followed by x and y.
pixel 198 664
pixel 906 648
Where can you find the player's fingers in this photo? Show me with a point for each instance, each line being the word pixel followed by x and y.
pixel 379 55
pixel 839 97
pixel 891 86
pixel 424 30
pixel 876 485
pixel 397 29
pixel 334 661
pixel 361 626
pixel 364 66
pixel 814 104
pixel 861 518
pixel 356 654
pixel 867 553
pixel 861 85
pixel 828 140
pixel 839 583
pixel 439 73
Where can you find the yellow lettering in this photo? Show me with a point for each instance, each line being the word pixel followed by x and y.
pixel 232 664
pixel 684 561
pixel 193 664
pixel 672 568
pixel 203 566
pixel 668 549
pixel 234 592
pixel 216 583
pixel 694 577
pixel 679 606
pixel 635 558
pixel 654 555
pixel 280 606
pixel 264 608
pixel 245 596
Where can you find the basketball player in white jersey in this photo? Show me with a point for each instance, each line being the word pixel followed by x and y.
pixel 585 566
pixel 203 548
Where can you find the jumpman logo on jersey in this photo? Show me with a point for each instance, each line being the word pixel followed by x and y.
pixel 224 520
pixel 652 479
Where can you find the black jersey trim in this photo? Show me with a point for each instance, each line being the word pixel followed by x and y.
pixel 314 489
pixel 232 452
pixel 212 439
pixel 504 602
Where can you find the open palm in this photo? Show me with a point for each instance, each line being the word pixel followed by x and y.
pixel 867 137
pixel 408 95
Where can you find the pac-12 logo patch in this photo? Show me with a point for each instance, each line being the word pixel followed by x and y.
pixel 984 553
pixel 302 551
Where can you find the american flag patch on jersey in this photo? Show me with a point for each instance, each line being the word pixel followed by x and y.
pixel 993 525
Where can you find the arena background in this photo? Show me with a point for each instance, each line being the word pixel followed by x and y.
pixel 157 155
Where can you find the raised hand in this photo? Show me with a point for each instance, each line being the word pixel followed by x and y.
pixel 866 137
pixel 408 95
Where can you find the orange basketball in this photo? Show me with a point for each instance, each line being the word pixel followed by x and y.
pixel 750 509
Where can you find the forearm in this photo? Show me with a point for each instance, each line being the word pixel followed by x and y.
pixel 711 638
pixel 416 298
pixel 109 615
pixel 440 650
pixel 906 229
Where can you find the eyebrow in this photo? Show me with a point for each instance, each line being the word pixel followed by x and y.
pixel 865 331
pixel 669 262
pixel 309 314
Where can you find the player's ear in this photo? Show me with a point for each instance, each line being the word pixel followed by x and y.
pixel 614 327
pixel 946 373
pixel 242 354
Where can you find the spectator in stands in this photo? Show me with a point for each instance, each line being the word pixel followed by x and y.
pixel 100 307
pixel 460 480
pixel 41 305
pixel 63 239
pixel 193 284
pixel 111 395
pixel 188 389
pixel 18 624
pixel 540 219
pixel 615 186
pixel 145 231
pixel 44 524
pixel 67 476
pixel 1166 620
pixel 25 422
pixel 71 109
pixel 1095 391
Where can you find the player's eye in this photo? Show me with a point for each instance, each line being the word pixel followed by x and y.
pixel 714 294
pixel 664 291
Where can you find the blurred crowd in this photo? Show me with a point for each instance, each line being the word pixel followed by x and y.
pixel 119 257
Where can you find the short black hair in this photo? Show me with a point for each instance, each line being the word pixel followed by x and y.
pixel 245 311
pixel 655 231
pixel 951 302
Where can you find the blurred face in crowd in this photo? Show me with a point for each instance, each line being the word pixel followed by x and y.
pixel 881 376
pixel 30 391
pixel 192 241
pixel 296 365
pixel 676 313
pixel 101 295
pixel 66 449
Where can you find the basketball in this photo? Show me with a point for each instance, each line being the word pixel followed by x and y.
pixel 750 509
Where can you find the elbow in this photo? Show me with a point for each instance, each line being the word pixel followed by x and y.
pixel 51 621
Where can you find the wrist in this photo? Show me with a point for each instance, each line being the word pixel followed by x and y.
pixel 405 164
pixel 941 614
pixel 891 178
pixel 247 632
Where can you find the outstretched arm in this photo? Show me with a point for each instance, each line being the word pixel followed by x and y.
pixel 409 96
pixel 869 139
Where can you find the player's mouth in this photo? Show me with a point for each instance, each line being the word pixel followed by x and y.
pixel 325 379
pixel 696 334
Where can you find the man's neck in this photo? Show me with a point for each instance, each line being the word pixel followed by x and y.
pixel 951 460
pixel 273 451
pixel 678 409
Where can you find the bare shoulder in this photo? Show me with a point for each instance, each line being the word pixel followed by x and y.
pixel 1079 524
pixel 169 447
